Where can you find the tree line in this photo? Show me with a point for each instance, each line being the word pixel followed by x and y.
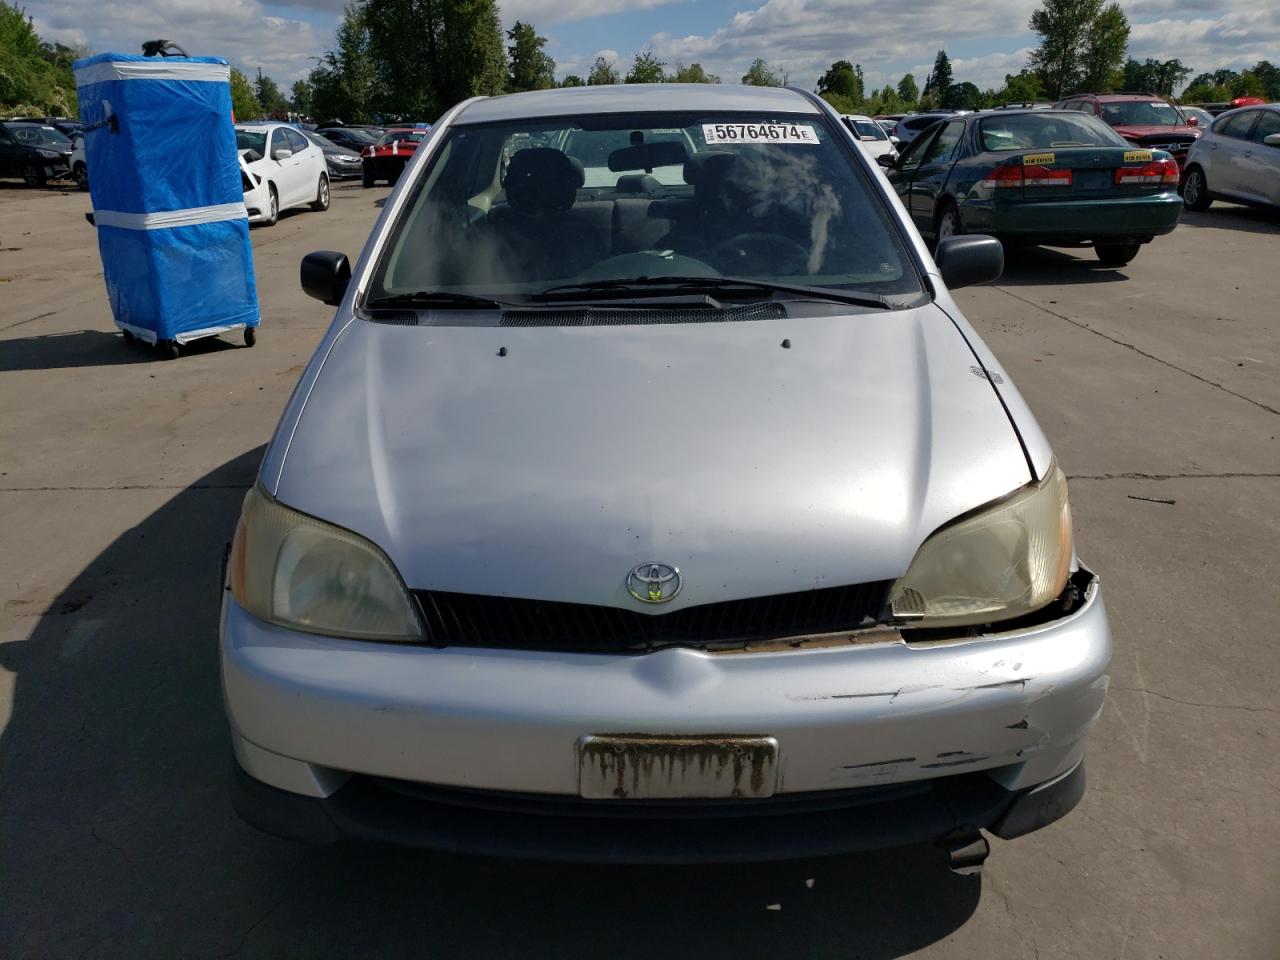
pixel 35 77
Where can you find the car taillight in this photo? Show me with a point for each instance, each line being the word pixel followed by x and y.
pixel 1027 175
pixel 1154 172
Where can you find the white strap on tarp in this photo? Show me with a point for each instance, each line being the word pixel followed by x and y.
pixel 170 218
pixel 151 70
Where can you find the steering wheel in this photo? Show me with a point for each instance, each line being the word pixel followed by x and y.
pixel 772 251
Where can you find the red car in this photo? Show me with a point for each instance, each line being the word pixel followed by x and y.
pixel 385 159
pixel 1143 119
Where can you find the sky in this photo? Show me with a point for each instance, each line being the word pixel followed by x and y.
pixel 802 38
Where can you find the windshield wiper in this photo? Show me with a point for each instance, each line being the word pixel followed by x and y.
pixel 435 298
pixel 677 286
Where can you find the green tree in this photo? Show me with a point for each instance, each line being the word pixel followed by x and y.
pixel 939 80
pixel 573 80
pixel 1269 76
pixel 760 74
pixel 885 100
pixel 963 96
pixel 646 68
pixel 531 67
pixel 692 74
pixel 345 84
pixel 244 102
pixel 1064 30
pixel 908 92
pixel 1155 76
pixel 603 73
pixel 35 77
pixel 269 97
pixel 1104 51
pixel 1021 87
pixel 842 82
pixel 300 97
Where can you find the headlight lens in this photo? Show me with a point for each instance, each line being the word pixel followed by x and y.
pixel 302 573
pixel 1005 561
pixel 50 154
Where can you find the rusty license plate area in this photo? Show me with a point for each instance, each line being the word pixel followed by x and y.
pixel 636 767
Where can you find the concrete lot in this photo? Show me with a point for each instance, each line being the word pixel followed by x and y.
pixel 121 477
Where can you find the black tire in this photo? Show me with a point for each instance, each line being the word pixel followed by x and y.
pixel 250 336
pixel 273 207
pixel 949 223
pixel 1116 254
pixel 395 177
pixel 367 178
pixel 168 349
pixel 129 338
pixel 81 176
pixel 33 175
pixel 1195 190
pixel 321 203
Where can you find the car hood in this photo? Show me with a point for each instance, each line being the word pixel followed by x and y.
pixel 1155 132
pixel 550 470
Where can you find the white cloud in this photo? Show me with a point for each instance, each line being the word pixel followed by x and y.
pixel 539 12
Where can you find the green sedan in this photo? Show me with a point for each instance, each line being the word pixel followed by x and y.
pixel 1053 177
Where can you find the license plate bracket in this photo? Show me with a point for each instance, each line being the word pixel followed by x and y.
pixel 651 767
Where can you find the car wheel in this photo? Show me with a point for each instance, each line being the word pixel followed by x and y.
pixel 1195 190
pixel 1116 254
pixel 321 202
pixel 81 176
pixel 366 176
pixel 33 175
pixel 250 336
pixel 949 224
pixel 273 207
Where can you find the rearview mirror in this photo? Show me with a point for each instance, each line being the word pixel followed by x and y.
pixel 325 275
pixel 965 261
pixel 646 156
pixel 281 153
pixel 1272 139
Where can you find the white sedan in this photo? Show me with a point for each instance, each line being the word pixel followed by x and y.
pixel 280 169
pixel 1237 159
pixel 870 135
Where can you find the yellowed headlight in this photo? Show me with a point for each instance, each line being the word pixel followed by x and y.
pixel 1005 561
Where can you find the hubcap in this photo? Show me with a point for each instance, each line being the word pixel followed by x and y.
pixel 324 192
pixel 1192 188
pixel 947 228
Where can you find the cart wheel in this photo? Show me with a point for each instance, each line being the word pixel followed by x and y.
pixel 168 349
pixel 129 338
pixel 250 336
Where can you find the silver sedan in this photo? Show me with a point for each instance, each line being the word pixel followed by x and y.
pixel 681 516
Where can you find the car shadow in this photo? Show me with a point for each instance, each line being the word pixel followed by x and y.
pixel 91 348
pixel 1033 266
pixel 121 840
pixel 1232 216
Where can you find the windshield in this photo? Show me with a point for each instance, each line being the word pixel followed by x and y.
pixel 1141 113
pixel 509 210
pixel 324 143
pixel 869 129
pixel 359 136
pixel 1043 130
pixel 402 135
pixel 32 134
pixel 252 140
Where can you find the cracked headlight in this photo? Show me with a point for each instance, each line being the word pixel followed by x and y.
pixel 302 573
pixel 1006 560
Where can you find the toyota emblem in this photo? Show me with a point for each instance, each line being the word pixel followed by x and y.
pixel 654 582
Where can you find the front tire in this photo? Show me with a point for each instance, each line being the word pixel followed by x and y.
pixel 321 203
pixel 1195 190
pixel 81 176
pixel 273 207
pixel 33 175
pixel 366 176
pixel 949 224
pixel 1116 254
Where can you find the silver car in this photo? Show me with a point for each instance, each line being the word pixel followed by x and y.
pixel 1236 159
pixel 664 519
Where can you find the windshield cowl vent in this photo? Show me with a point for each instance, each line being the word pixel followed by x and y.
pixel 633 316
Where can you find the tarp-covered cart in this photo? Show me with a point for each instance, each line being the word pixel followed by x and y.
pixel 168 200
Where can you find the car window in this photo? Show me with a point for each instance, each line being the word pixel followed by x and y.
pixel 4 135
pixel 1045 130
pixel 759 196
pixel 297 141
pixel 920 123
pixel 914 152
pixel 944 143
pixel 869 129
pixel 252 140
pixel 1268 124
pixel 34 135
pixel 1237 125
pixel 592 148
pixel 1141 113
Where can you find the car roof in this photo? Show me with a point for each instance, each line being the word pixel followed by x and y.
pixel 640 97
pixel 1112 97
pixel 260 127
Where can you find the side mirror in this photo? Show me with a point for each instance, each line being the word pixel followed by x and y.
pixel 965 261
pixel 1272 139
pixel 325 275
pixel 888 160
pixel 1193 121
pixel 281 153
pixel 894 140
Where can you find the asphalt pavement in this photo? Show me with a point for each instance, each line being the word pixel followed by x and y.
pixel 121 478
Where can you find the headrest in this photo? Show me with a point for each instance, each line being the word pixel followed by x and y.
pixel 638 183
pixel 703 169
pixel 541 180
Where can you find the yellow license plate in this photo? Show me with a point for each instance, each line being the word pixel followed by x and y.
pixel 1037 158
pixel 637 767
pixel 1136 156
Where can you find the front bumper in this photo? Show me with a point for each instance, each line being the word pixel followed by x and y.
pixel 323 718
pixel 1076 220
pixel 343 171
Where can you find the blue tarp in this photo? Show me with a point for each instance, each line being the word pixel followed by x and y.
pixel 167 195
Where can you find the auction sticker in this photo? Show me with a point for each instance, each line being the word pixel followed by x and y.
pixel 758 133
pixel 1034 158
pixel 1134 156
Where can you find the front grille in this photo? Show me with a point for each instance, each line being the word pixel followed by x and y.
pixel 605 317
pixel 1171 147
pixel 474 620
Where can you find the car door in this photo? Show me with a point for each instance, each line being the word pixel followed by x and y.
pixel 10 166
pixel 290 169
pixel 901 173
pixel 1260 162
pixel 311 165
pixel 1226 153
pixel 931 176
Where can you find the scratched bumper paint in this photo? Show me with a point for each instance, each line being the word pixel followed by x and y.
pixel 308 710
